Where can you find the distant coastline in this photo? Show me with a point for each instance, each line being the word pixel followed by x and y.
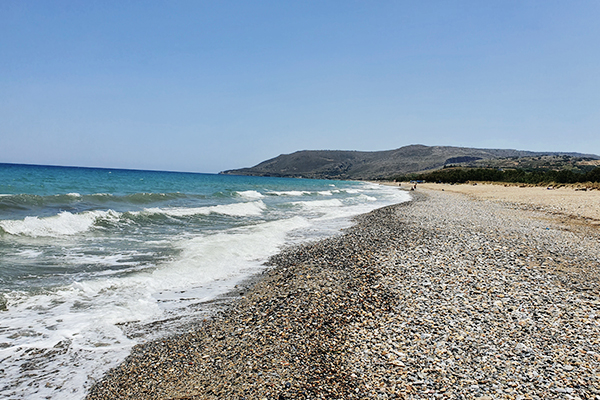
pixel 360 165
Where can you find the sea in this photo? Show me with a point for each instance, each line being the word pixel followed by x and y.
pixel 94 261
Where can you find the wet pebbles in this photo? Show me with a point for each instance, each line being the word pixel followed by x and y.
pixel 444 297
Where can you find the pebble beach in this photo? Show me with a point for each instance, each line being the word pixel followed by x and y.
pixel 448 296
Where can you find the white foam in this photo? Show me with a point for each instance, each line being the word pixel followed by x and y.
pixel 67 319
pixel 320 203
pixel 289 193
pixel 29 253
pixel 326 193
pixel 61 224
pixel 239 209
pixel 223 255
pixel 337 213
pixel 120 259
pixel 368 198
pixel 245 209
pixel 251 194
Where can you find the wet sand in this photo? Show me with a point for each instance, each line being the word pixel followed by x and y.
pixel 448 296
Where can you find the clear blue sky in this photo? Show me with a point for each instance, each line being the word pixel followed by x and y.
pixel 211 85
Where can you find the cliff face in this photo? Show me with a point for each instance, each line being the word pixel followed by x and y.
pixel 334 164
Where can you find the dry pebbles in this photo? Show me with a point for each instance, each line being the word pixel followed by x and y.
pixel 444 297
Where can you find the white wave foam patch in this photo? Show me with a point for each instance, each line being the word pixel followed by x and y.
pixel 368 198
pixel 56 330
pixel 120 259
pixel 246 209
pixel 226 255
pixel 326 193
pixel 337 209
pixel 289 193
pixel 320 203
pixel 29 253
pixel 251 195
pixel 61 224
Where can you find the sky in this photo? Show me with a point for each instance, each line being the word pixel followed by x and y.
pixel 205 86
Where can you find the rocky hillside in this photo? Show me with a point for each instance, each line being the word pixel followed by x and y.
pixel 334 164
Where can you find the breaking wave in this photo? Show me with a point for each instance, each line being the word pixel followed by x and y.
pixel 67 223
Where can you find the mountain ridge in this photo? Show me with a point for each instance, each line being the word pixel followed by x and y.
pixel 369 165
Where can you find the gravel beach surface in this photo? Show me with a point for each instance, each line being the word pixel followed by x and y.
pixel 571 202
pixel 441 297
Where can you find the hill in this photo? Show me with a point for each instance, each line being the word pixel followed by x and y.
pixel 363 165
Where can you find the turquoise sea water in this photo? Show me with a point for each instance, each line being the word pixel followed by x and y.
pixel 94 261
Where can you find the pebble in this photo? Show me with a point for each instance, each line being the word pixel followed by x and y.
pixel 443 297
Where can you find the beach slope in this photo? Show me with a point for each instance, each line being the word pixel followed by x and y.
pixel 442 297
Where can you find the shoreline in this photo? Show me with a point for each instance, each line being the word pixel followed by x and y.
pixel 440 297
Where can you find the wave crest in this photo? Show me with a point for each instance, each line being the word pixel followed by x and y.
pixel 64 223
pixel 250 194
pixel 289 193
pixel 234 210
